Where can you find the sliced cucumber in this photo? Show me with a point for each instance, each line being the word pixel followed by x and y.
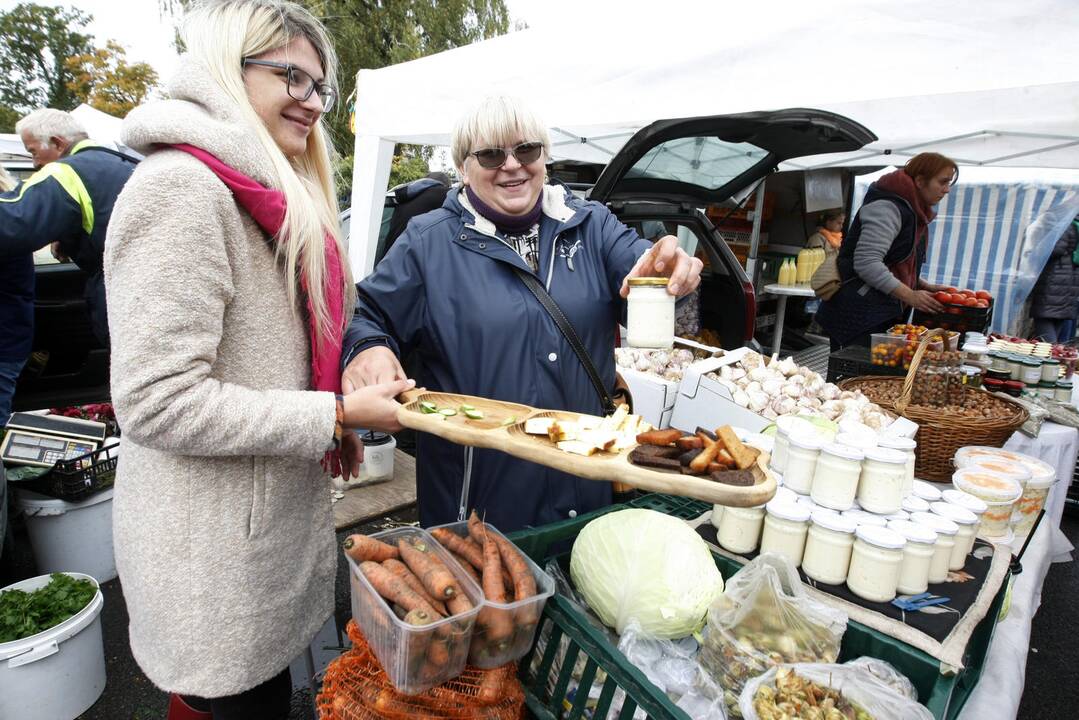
pixel 464 407
pixel 510 420
pixel 448 412
pixel 473 414
pixel 428 407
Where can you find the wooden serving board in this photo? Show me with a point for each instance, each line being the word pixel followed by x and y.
pixel 502 428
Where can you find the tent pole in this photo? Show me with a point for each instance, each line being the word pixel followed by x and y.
pixel 755 236
pixel 370 177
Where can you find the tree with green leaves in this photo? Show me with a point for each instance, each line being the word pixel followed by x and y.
pixel 105 80
pixel 35 40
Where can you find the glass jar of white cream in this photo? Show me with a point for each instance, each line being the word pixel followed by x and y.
pixel 875 563
pixel 785 527
pixel 835 478
pixel 650 313
pixel 828 547
pixel 880 487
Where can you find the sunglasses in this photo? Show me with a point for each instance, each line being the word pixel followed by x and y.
pixel 300 84
pixel 491 158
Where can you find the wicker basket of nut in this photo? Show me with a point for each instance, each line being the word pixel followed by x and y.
pixel 949 414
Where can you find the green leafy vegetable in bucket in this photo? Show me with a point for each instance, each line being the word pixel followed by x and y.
pixel 23 614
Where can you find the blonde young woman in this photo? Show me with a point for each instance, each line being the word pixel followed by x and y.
pixel 229 290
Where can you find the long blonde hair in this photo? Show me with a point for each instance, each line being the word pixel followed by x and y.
pixel 221 33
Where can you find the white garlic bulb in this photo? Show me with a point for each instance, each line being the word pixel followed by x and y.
pixel 742 398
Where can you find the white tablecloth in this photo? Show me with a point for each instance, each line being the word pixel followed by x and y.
pixel 1000 687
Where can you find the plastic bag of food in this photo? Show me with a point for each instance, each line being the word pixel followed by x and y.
pixel 764 618
pixel 671 665
pixel 886 674
pixel 808 691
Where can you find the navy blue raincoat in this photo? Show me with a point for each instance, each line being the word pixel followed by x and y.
pixel 447 289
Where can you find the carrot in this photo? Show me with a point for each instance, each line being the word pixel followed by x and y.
pixel 401 570
pixel 394 589
pixel 419 618
pixel 491 688
pixel 467 567
pixel 459 545
pixel 476 533
pixel 361 547
pixel 434 575
pixel 458 604
pixel 524 583
pixel 438 653
pixel 499 627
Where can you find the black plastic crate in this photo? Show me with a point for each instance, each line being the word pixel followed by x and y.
pixel 854 361
pixel 78 478
pixel 958 318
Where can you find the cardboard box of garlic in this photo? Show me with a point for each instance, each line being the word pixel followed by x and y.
pixel 742 388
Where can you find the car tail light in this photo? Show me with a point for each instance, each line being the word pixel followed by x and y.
pixel 751 310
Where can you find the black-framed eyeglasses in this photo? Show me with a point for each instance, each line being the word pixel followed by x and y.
pixel 300 83
pixel 491 158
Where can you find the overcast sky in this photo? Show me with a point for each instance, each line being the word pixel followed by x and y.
pixel 139 26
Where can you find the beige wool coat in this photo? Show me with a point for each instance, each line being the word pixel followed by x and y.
pixel 222 517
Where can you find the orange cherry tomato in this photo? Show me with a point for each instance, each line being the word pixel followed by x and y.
pixel 950 289
pixel 983 295
pixel 943 297
pixel 966 293
pixel 971 302
pixel 958 299
pixel 981 304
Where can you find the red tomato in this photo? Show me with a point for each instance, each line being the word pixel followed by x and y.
pixel 983 295
pixel 966 293
pixel 971 302
pixel 943 297
pixel 981 304
pixel 957 299
pixel 950 289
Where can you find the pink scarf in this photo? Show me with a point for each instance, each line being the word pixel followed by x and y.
pixel 267 208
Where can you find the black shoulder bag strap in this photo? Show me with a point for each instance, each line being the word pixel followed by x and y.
pixel 563 323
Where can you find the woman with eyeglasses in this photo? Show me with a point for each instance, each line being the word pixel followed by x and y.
pixel 229 292
pixel 449 288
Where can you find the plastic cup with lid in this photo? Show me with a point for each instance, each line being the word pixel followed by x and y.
pixel 998 492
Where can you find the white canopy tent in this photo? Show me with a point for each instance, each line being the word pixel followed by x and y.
pixel 989 82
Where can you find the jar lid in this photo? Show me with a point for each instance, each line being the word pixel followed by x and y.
pixel 886 455
pixel 374 438
pixel 753 511
pixel 865 518
pixel 785 494
pixel 831 520
pixel 914 532
pixel 1051 361
pixel 846 452
pixel 1032 362
pixel 965 500
pixel 1064 384
pixel 942 525
pixel 926 491
pixel 880 536
pixel 648 282
pixel 807 501
pixel 913 504
pixel 897 443
pixel 898 515
pixel 789 510
pixel 975 348
pixel 806 440
pixel 1047 384
pixel 987 485
pixel 958 515
pixel 786 423
pixel 969 371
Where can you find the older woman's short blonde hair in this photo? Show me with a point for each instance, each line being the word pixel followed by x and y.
pixel 497 121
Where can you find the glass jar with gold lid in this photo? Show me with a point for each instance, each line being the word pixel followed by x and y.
pixel 650 313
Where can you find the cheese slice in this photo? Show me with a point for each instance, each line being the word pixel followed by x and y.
pixel 589 422
pixel 577 447
pixel 538 426
pixel 615 419
pixel 599 439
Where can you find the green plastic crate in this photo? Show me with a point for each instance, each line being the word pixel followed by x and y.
pixel 943 695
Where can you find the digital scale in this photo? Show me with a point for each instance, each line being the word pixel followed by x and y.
pixel 43 440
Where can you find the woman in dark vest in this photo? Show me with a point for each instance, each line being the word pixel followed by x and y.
pixel 881 257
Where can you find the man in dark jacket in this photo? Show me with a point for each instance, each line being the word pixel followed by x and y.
pixel 67 203
pixel 1052 302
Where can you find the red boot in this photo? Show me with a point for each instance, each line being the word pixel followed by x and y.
pixel 180 710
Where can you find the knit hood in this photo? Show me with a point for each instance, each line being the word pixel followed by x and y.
pixel 199 113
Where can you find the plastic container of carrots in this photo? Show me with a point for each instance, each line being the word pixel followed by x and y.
pixel 415 657
pixel 504 631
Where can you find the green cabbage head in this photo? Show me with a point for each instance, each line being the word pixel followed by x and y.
pixel 646 566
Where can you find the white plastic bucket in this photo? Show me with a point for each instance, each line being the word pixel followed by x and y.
pixel 70 536
pixel 59 673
